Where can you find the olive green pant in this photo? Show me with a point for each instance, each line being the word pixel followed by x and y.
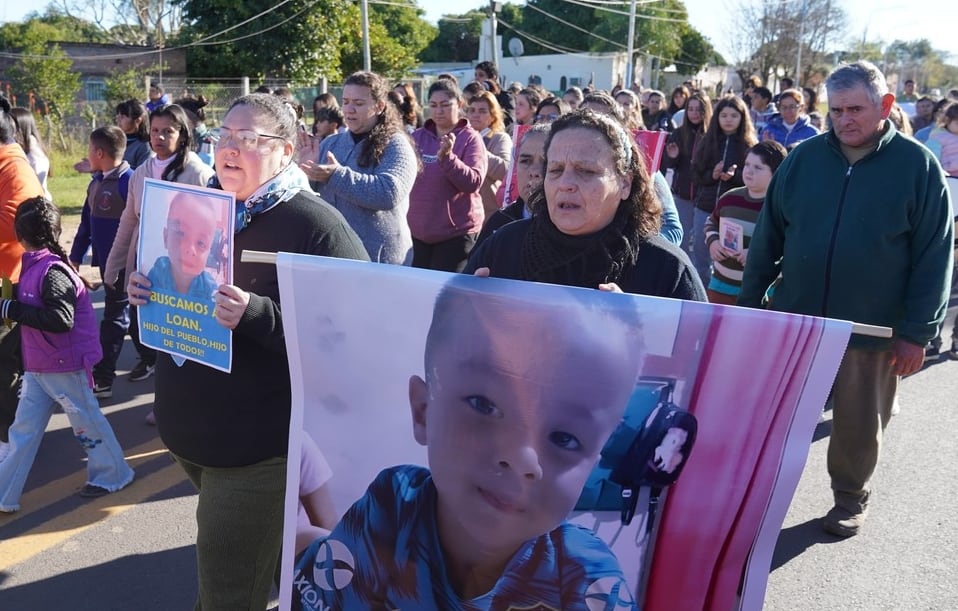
pixel 239 519
pixel 862 398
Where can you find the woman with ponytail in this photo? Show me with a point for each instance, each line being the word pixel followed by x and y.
pixel 173 160
pixel 61 344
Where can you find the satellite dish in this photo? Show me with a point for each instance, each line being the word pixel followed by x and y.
pixel 516 48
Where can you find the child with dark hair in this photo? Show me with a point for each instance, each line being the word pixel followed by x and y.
pixel 105 200
pixel 729 227
pixel 202 136
pixel 29 138
pixel 60 347
pixel 512 436
pixel 171 137
pixel 328 121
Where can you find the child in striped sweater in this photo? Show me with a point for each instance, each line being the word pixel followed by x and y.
pixel 729 228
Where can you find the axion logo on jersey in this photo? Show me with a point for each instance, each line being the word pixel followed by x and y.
pixel 609 594
pixel 333 568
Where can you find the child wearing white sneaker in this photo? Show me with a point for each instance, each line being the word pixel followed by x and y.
pixel 60 343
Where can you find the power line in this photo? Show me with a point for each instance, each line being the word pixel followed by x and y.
pixel 575 27
pixel 551 46
pixel 196 43
pixel 615 12
pixel 626 3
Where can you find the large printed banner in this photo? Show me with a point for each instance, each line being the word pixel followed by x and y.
pixel 462 442
pixel 185 249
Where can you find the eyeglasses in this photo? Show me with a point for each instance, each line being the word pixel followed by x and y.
pixel 789 107
pixel 552 116
pixel 245 139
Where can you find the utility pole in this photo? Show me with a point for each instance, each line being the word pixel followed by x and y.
pixel 629 70
pixel 801 35
pixel 494 7
pixel 367 60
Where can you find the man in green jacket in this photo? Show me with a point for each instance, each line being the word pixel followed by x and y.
pixel 858 222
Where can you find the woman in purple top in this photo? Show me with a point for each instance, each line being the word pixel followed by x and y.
pixel 445 207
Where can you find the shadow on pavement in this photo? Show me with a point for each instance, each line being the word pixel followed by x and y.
pixel 793 541
pixel 148 585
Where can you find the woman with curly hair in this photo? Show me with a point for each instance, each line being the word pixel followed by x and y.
pixel 595 220
pixel 368 172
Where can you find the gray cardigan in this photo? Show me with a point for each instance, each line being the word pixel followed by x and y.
pixel 374 200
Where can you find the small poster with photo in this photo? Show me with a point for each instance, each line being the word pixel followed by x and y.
pixel 732 235
pixel 185 249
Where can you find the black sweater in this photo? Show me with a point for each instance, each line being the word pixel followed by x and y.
pixel 661 269
pixel 218 419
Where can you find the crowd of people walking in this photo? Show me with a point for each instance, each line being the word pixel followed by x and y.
pixel 751 203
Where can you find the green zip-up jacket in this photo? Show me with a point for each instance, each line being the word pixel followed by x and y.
pixel 869 242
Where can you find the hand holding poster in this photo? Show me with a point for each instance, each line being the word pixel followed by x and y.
pixel 481 434
pixel 185 251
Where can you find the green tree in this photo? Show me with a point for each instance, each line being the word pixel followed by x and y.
pixel 695 52
pixel 397 34
pixel 457 39
pixel 298 42
pixel 123 85
pixel 45 70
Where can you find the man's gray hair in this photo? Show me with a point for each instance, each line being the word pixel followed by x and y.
pixel 859 74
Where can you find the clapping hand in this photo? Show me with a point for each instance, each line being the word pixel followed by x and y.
pixel 320 172
pixel 445 145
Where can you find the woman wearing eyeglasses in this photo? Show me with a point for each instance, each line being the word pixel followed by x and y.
pixel 445 208
pixel 486 117
pixel 173 160
pixel 791 125
pixel 550 109
pixel 229 431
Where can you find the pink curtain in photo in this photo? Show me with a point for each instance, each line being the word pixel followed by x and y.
pixel 744 408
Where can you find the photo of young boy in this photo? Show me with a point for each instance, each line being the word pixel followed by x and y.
pixel 192 226
pixel 511 436
pixel 185 250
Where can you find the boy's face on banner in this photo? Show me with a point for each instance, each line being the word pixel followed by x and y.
pixel 515 410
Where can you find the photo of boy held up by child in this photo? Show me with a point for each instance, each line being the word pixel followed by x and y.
pixel 513 408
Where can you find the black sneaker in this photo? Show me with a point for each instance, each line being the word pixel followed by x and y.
pixel 932 351
pixel 90 491
pixel 141 372
pixel 102 391
pixel 953 353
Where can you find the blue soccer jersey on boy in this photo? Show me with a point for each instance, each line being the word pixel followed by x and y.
pixel 385 554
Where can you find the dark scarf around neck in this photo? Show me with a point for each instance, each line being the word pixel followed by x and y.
pixel 548 255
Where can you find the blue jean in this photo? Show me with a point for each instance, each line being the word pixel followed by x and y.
pixel 40 393
pixel 700 252
pixel 685 208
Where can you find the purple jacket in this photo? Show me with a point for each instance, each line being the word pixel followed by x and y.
pixel 445 202
pixel 44 352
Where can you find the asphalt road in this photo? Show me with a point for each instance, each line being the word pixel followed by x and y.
pixel 133 549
